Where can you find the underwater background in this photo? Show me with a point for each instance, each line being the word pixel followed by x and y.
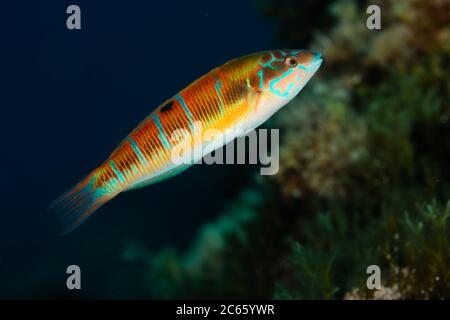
pixel 364 153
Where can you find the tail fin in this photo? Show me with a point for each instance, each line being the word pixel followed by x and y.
pixel 79 203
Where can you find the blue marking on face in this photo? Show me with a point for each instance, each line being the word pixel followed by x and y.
pixel 278 79
pixel 269 63
pixel 261 79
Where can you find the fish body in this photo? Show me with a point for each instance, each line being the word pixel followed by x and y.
pixel 241 94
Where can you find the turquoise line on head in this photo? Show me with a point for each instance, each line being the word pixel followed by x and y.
pixel 306 68
pixel 269 63
pixel 261 79
pixel 276 80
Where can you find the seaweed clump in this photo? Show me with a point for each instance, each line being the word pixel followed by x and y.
pixel 364 176
pixel 229 258
pixel 411 248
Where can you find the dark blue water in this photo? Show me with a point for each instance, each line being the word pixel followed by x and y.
pixel 69 97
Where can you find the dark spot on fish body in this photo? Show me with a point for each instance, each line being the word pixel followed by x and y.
pixel 167 106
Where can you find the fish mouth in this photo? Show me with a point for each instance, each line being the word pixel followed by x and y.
pixel 315 64
pixel 317 60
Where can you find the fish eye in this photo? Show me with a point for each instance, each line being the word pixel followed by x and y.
pixel 291 61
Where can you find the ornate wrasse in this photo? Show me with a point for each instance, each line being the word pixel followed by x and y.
pixel 240 94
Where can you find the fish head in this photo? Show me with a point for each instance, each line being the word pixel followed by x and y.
pixel 279 76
